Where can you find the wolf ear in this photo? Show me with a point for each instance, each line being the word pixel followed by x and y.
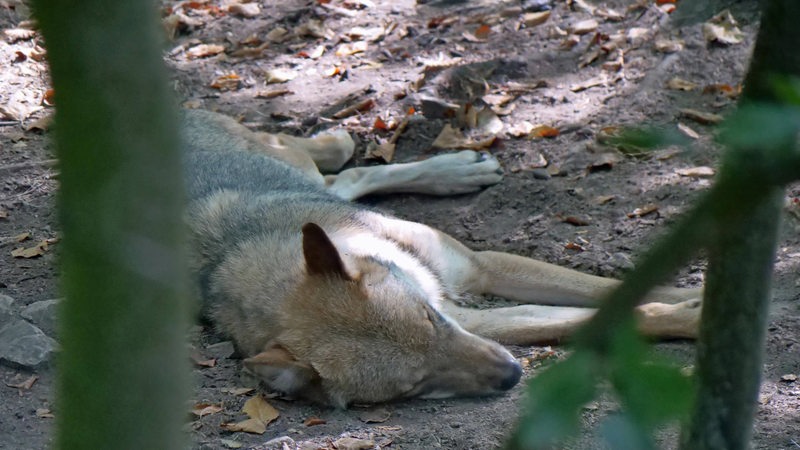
pixel 322 258
pixel 281 371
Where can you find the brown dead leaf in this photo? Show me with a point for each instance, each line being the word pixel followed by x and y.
pixel 789 378
pixel 42 124
pixel 30 252
pixel 685 129
pixel 584 27
pixel 362 106
pixel 725 89
pixel 205 409
pixel 696 172
pixel 273 93
pixel 279 75
pixel 383 151
pixel 487 122
pixel 348 443
pixel 204 51
pixel 24 385
pixel 237 391
pixel 603 199
pixel 22 237
pixel 351 48
pixel 543 131
pixel 3 214
pixel 533 19
pixel 452 138
pixel 278 35
pixel 312 421
pixel 378 415
pixel 679 84
pixel 229 82
pixel 609 14
pixel 48 99
pixel 247 10
pixel 578 221
pixel 573 246
pixel 18 34
pixel 316 53
pixel 253 426
pixel 643 211
pixel 668 45
pixel 44 413
pixel 521 129
pixel 483 31
pixel 250 52
pixel 723 29
pixel 258 408
pixel 701 117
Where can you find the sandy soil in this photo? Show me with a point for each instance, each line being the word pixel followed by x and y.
pixel 548 180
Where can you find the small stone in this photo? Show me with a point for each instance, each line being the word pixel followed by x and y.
pixel 6 310
pixel 43 314
pixel 23 344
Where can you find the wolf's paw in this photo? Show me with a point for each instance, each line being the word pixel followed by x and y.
pixel 462 172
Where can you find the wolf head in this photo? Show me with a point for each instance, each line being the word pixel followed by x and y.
pixel 365 331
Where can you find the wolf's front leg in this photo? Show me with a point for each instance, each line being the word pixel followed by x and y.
pixel 449 174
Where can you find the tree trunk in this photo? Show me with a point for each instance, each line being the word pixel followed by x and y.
pixel 123 372
pixel 732 334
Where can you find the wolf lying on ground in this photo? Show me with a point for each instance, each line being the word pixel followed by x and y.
pixel 334 302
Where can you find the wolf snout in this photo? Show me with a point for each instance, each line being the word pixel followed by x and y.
pixel 512 372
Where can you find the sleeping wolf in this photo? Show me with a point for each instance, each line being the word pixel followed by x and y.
pixel 335 302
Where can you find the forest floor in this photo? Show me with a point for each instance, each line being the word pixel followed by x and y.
pixel 542 91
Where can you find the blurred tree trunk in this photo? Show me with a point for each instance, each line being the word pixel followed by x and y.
pixel 731 344
pixel 123 375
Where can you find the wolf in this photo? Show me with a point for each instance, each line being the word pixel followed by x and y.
pixel 338 303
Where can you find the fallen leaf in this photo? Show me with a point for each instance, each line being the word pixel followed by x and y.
pixel 247 10
pixel 584 27
pixel 723 29
pixel 378 415
pixel 679 84
pixel 205 409
pixel 451 138
pixel 533 19
pixel 590 83
pixel 229 82
pixel 316 53
pixel 483 31
pixel 229 443
pixel 30 252
pixel 3 214
pixel 278 35
pixel 521 129
pixel 724 89
pixel 202 362
pixel 577 221
pixel 25 385
pixel 604 161
pixel 643 211
pixel 44 413
pixel 18 34
pixel 362 106
pixel 668 45
pixel 48 99
pixel 253 426
pixel 204 50
pixel 348 443
pixel 42 124
pixel 603 199
pixel 543 131
pixel 609 14
pixel 348 49
pixel 573 246
pixel 488 122
pixel 250 52
pixel 273 93
pixel 22 237
pixel 688 131
pixel 315 29
pixel 258 408
pixel 313 421
pixel 701 117
pixel 789 378
pixel 279 75
pixel 383 151
pixel 237 391
pixel 696 172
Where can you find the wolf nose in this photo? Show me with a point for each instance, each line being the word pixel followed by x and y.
pixel 512 377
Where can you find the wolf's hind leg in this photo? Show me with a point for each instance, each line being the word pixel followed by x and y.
pixel 449 174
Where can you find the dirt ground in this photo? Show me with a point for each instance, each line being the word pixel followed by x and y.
pixel 565 199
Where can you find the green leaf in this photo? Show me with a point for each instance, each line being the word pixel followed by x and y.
pixel 554 402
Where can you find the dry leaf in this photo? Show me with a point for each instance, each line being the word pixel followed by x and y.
pixel 312 421
pixel 643 211
pixel 245 9
pixel 258 408
pixel 452 138
pixel 42 124
pixel 383 151
pixel 253 426
pixel 250 52
pixel 683 128
pixel 279 75
pixel 352 48
pixel 229 443
pixel 348 443
pixel 533 19
pixel 483 31
pixel 205 409
pixel 278 35
pixel 237 391
pixel 487 122
pixel 573 246
pixel 696 172
pixel 25 385
pixel 723 29
pixel 789 378
pixel 44 413
pixel 204 50
pixel 30 252
pixel 603 199
pixel 362 106
pixel 609 14
pixel 273 93
pixel 590 83
pixel 314 28
pixel 18 34
pixel 679 84
pixel 3 214
pixel 316 53
pixel 48 99
pixel 22 237
pixel 704 118
pixel 229 82
pixel 668 45
pixel 543 131
pixel 584 27
pixel 378 415
pixel 578 221
pixel 724 89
